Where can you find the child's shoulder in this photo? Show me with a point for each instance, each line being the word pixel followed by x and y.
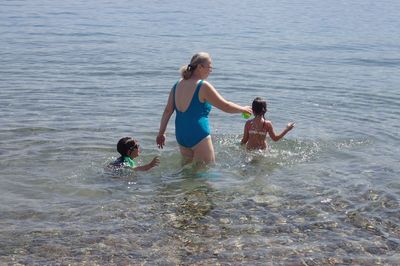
pixel 248 122
pixel 118 162
pixel 116 165
pixel 123 162
pixel 267 124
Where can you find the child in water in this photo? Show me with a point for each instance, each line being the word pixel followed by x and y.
pixel 129 150
pixel 256 129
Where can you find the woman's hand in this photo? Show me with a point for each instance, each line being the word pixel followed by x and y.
pixel 247 110
pixel 160 140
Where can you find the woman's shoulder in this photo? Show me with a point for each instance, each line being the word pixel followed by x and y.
pixel 176 83
pixel 207 87
pixel 206 90
pixel 204 83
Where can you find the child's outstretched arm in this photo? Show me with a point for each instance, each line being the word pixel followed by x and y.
pixel 245 137
pixel 154 162
pixel 272 134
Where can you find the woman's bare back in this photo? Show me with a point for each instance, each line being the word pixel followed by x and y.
pixel 184 93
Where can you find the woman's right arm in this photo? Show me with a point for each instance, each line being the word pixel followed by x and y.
pixel 168 111
pixel 212 96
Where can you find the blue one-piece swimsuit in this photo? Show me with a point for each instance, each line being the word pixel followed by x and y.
pixel 192 125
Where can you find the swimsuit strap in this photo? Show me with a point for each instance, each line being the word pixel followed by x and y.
pixel 174 89
pixel 254 130
pixel 196 92
pixel 257 132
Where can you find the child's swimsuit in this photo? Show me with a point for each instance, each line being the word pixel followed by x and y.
pixel 192 125
pixel 124 161
pixel 252 130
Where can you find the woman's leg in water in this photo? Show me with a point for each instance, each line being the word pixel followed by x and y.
pixel 187 155
pixel 203 152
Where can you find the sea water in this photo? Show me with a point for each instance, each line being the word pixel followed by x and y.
pixel 76 76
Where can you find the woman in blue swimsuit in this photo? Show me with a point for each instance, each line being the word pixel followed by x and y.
pixel 192 98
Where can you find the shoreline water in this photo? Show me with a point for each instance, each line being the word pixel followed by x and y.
pixel 76 78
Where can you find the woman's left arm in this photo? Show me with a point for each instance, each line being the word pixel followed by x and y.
pixel 212 96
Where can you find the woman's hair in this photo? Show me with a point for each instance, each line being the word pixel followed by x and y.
pixel 259 106
pixel 124 145
pixel 197 59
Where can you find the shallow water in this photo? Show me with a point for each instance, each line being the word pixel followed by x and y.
pixel 76 77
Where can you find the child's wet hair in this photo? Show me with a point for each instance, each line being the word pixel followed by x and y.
pixel 124 145
pixel 259 106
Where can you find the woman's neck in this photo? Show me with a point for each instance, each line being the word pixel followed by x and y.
pixel 196 76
